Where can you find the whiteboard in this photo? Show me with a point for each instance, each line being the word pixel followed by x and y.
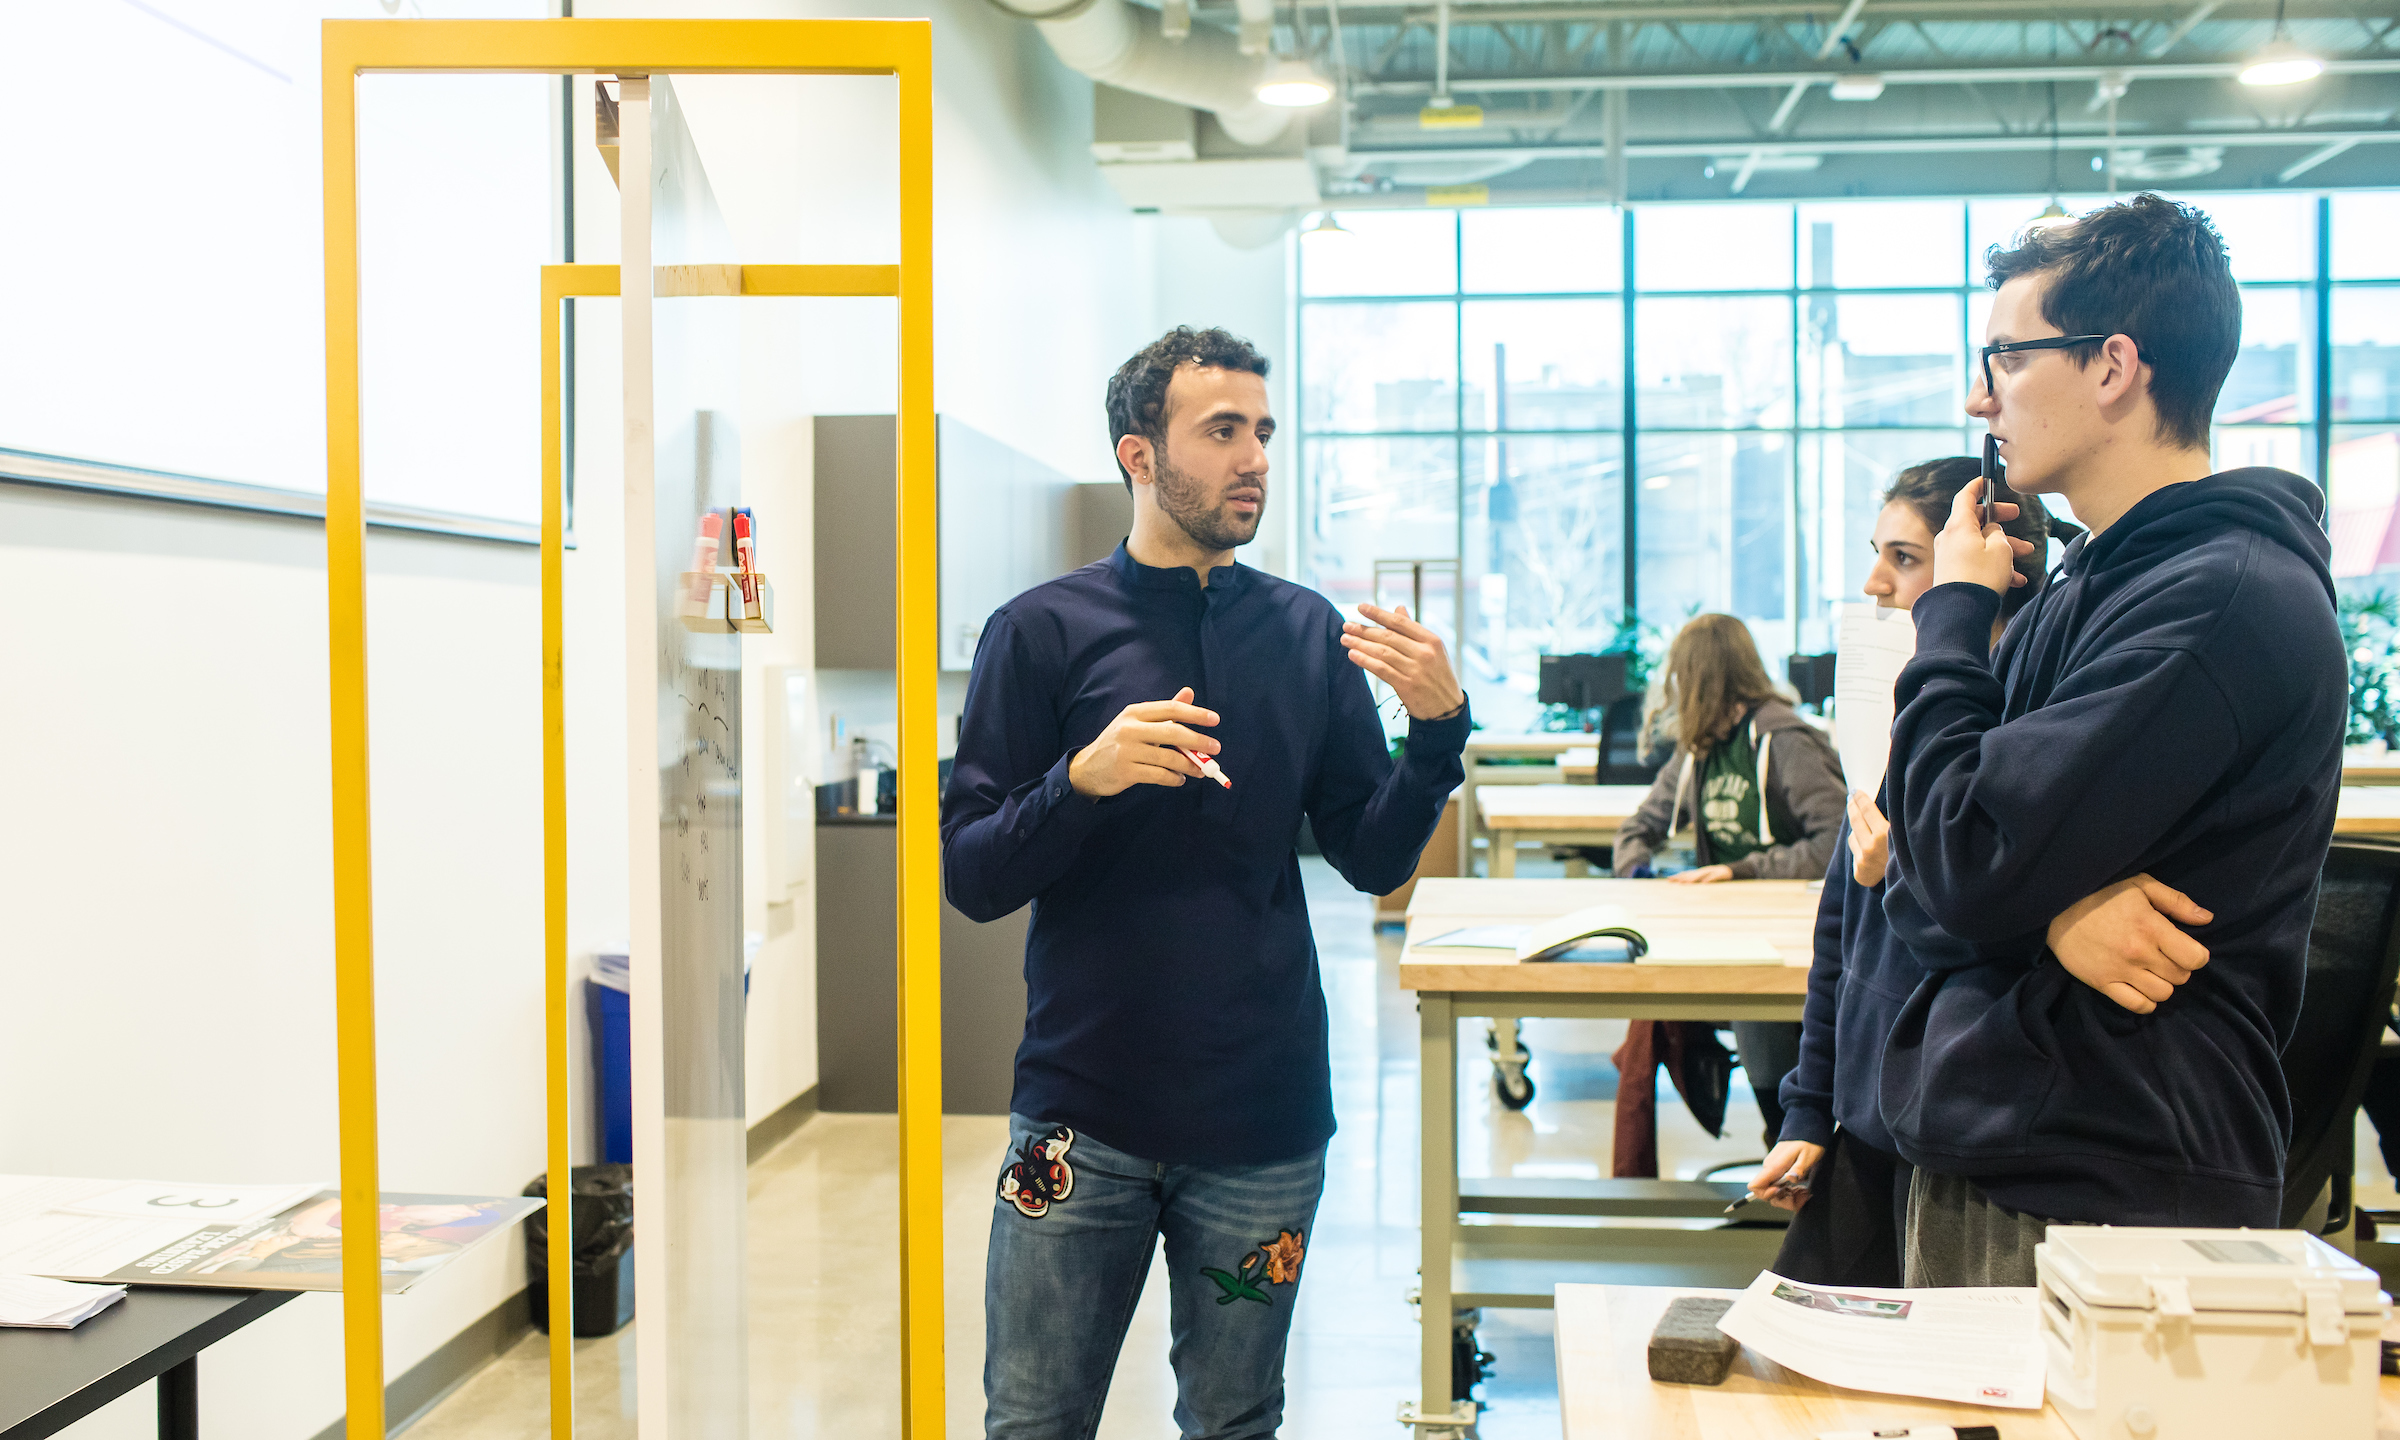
pixel 162 272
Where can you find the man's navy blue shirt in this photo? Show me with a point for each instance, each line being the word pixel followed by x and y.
pixel 1173 1005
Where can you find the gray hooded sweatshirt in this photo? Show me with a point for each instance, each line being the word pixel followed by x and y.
pixel 1800 782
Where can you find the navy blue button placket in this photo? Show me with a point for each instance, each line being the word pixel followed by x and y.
pixel 1217 803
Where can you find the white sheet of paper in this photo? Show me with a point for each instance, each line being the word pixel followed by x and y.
pixel 1967 1346
pixel 1875 643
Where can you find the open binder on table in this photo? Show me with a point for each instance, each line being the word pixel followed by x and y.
pixel 1602 934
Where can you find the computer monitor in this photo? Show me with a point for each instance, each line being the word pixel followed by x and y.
pixel 1582 681
pixel 1812 676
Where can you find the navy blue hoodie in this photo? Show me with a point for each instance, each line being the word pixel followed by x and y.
pixel 1858 983
pixel 1173 1005
pixel 2172 703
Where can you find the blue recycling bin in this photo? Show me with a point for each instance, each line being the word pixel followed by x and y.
pixel 609 1009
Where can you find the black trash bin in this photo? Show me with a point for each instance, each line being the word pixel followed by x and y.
pixel 602 1249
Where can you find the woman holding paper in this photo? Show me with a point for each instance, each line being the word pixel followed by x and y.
pixel 1833 1145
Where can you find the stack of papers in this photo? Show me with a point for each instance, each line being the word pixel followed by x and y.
pixel 1970 1346
pixel 31 1300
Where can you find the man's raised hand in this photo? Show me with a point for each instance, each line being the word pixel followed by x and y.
pixel 1967 550
pixel 1144 745
pixel 2126 941
pixel 1406 656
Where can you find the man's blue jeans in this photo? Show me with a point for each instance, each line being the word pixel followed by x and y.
pixel 1073 1230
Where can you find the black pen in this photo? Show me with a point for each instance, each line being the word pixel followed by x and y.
pixel 1785 1186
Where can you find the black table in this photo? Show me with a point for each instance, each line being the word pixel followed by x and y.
pixel 49 1379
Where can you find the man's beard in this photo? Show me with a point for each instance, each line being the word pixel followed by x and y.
pixel 1185 502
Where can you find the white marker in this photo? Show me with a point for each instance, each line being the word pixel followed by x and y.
pixel 1208 767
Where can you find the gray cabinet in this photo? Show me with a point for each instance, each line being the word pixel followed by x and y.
pixel 1008 522
pixel 858 1006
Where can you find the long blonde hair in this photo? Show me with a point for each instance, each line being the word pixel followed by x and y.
pixel 1713 678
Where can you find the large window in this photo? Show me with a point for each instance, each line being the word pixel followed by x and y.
pixel 1604 416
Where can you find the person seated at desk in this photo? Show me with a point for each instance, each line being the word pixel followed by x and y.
pixel 1761 791
pixel 1847 1227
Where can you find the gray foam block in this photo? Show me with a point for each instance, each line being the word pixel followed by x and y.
pixel 1687 1348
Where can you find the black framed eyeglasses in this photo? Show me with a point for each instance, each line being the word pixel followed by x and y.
pixel 2047 342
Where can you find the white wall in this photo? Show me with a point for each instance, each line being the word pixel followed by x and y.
pixel 164 861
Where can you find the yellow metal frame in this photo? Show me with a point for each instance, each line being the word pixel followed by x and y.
pixel 901 48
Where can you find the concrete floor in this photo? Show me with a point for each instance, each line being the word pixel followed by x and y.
pixel 824 1317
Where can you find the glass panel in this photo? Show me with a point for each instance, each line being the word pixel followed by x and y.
pixel 2267 237
pixel 1874 246
pixel 2364 494
pixel 1545 532
pixel 2286 447
pixel 2000 222
pixel 1880 360
pixel 2270 381
pixel 1842 480
pixel 1713 513
pixel 1379 367
pixel 1387 252
pixel 2366 352
pixel 1709 362
pixel 1561 360
pixel 1379 499
pixel 2366 234
pixel 1540 252
pixel 1712 247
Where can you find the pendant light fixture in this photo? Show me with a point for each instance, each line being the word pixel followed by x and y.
pixel 2281 62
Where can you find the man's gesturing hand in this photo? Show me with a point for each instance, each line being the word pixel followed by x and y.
pixel 1406 656
pixel 1965 550
pixel 1144 746
pixel 2123 941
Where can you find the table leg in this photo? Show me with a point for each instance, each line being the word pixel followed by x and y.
pixel 1467 821
pixel 1504 854
pixel 179 1402
pixel 1437 1158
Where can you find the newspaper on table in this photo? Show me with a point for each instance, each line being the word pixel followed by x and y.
pixel 247 1237
pixel 1874 644
pixel 1966 1346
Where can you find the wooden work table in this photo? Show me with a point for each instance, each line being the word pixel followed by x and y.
pixel 1450 987
pixel 1590 814
pixel 1605 1391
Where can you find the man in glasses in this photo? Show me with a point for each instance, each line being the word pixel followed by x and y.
pixel 2169 711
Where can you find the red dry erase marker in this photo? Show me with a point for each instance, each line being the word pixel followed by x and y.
pixel 1208 767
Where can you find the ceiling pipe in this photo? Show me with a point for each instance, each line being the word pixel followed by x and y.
pixel 1945 75
pixel 1910 144
pixel 1117 43
pixel 1256 32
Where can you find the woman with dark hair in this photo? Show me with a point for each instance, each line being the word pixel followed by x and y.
pixel 1849 1223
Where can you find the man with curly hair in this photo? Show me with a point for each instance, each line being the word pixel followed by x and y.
pixel 1142 740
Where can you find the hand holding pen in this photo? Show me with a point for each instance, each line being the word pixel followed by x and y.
pixel 1150 743
pixel 1785 1178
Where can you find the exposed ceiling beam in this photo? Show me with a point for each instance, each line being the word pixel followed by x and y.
pixel 2185 26
pixel 1779 79
pixel 1515 12
pixel 2309 162
pixel 1877 145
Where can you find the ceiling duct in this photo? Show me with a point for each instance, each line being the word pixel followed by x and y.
pixel 1117 43
pixel 2164 164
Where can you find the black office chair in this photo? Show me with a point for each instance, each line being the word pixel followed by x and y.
pixel 2353 957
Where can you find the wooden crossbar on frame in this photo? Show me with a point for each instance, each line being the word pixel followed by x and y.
pixel 900 48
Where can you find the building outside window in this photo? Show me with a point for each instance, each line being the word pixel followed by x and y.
pixel 1472 395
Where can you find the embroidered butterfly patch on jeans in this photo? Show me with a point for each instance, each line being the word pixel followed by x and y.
pixel 1039 1177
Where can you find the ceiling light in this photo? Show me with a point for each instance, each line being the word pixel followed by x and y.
pixel 1857 87
pixel 1293 83
pixel 1327 231
pixel 2281 63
